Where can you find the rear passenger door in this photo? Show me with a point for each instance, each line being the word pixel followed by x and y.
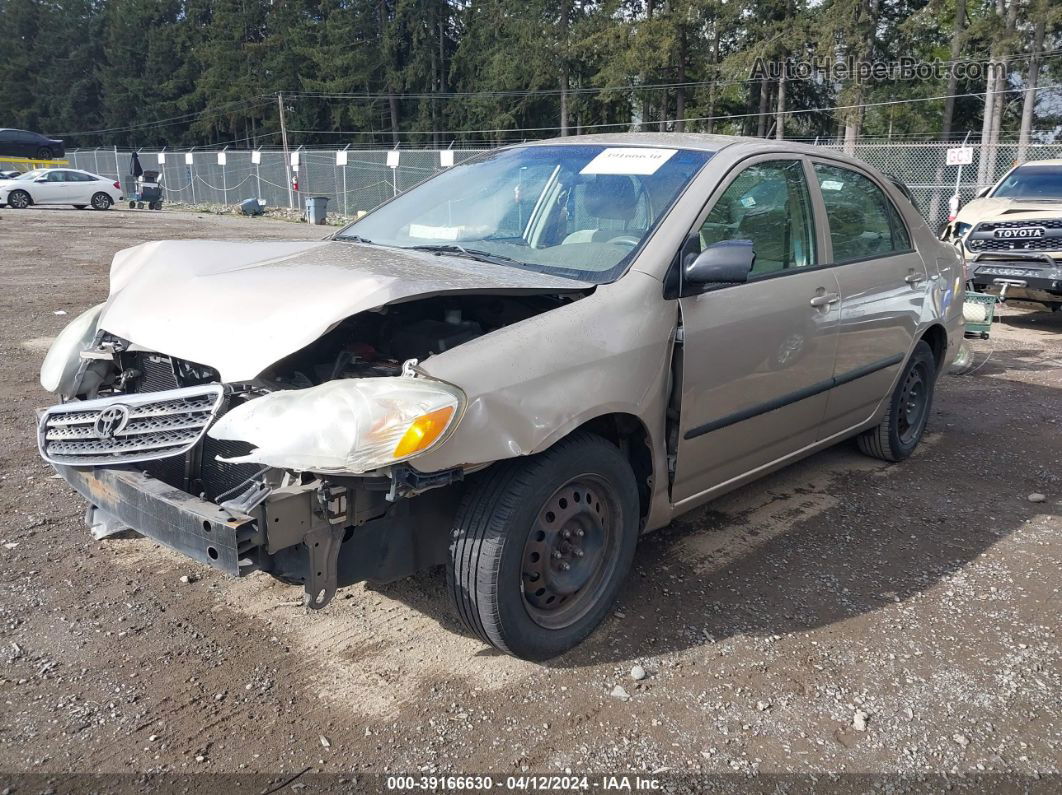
pixel 882 281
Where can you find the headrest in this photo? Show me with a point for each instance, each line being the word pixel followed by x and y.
pixel 610 196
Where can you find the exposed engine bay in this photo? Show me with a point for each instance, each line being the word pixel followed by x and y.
pixel 316 528
pixel 376 343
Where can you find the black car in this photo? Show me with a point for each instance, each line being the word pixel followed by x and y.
pixel 22 143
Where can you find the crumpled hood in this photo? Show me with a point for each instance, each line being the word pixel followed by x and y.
pixel 1007 210
pixel 241 306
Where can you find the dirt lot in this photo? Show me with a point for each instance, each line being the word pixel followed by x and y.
pixel 922 598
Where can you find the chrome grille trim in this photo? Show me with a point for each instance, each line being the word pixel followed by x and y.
pixel 160 424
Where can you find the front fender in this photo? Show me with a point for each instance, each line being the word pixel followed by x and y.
pixel 532 383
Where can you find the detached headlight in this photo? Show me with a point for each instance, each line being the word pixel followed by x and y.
pixel 350 425
pixel 64 357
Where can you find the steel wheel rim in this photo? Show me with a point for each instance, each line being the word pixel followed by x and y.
pixel 570 553
pixel 914 403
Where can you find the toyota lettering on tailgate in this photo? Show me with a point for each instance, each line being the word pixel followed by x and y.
pixel 1022 232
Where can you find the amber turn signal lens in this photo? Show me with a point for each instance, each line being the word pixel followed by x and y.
pixel 424 432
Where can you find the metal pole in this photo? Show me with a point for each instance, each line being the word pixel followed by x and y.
pixel 346 210
pixel 284 141
pixel 225 178
pixel 117 168
pixel 191 175
pixel 258 175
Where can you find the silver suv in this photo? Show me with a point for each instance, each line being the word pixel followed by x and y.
pixel 513 369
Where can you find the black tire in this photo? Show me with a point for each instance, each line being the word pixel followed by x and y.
pixel 44 153
pixel 101 201
pixel 506 516
pixel 80 206
pixel 19 200
pixel 132 205
pixel 909 406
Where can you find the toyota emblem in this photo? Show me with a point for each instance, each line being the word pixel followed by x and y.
pixel 112 420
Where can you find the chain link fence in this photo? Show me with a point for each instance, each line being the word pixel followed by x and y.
pixel 367 179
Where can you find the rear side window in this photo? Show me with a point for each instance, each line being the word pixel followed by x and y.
pixel 769 204
pixel 864 223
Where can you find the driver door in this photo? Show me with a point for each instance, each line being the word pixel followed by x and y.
pixel 52 189
pixel 758 357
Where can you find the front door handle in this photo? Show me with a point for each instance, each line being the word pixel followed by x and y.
pixel 913 278
pixel 825 299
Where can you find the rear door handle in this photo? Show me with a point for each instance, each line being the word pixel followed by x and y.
pixel 825 300
pixel 914 278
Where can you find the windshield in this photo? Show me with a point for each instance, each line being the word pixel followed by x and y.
pixel 1031 182
pixel 578 211
pixel 32 174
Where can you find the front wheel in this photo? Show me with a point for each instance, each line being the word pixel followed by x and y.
pixel 44 153
pixel 541 545
pixel 101 201
pixel 909 405
pixel 19 199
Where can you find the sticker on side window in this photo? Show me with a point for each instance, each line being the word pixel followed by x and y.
pixel 831 184
pixel 634 161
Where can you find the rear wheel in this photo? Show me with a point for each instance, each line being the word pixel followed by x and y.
pixel 101 201
pixel 909 405
pixel 19 199
pixel 44 153
pixel 541 545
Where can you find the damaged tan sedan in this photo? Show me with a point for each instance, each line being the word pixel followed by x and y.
pixel 512 370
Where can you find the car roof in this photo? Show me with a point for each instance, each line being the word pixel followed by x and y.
pixel 1057 163
pixel 704 142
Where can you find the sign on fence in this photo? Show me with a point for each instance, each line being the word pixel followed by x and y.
pixel 960 156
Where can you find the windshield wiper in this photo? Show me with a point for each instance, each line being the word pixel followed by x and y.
pixel 354 239
pixel 470 253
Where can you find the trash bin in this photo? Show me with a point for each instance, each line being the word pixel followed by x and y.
pixel 316 209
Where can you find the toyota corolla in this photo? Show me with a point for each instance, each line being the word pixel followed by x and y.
pixel 512 370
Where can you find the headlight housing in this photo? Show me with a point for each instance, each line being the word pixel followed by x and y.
pixel 63 359
pixel 351 425
pixel 959 230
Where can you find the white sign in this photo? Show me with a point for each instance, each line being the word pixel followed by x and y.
pixel 341 157
pixel 392 158
pixel 294 158
pixel 221 158
pixel 256 156
pixel 960 156
pixel 446 157
pixel 188 158
pixel 628 160
pixel 162 158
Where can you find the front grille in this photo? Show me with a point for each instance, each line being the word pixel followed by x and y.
pixel 1034 244
pixel 983 237
pixel 129 428
pixel 991 226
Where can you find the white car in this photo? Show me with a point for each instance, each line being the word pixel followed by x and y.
pixel 60 186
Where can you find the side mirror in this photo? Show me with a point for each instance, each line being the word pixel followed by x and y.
pixel 983 192
pixel 41 179
pixel 725 262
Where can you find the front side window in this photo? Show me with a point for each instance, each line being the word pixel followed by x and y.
pixel 863 222
pixel 57 176
pixel 578 210
pixel 769 204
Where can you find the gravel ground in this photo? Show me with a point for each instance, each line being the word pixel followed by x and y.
pixel 842 615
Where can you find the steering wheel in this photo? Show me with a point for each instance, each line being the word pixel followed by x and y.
pixel 624 240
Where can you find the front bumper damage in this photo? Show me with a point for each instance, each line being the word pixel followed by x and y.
pixel 323 536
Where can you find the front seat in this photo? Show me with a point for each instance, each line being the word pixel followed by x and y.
pixel 610 201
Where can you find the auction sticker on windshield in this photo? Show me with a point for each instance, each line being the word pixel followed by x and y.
pixel 628 160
